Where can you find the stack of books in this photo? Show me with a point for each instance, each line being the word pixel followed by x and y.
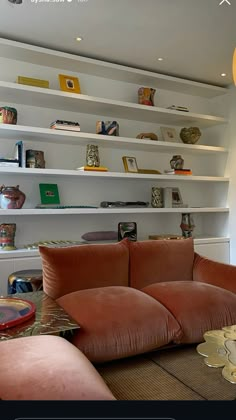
pixel 65 125
pixel 9 162
pixel 178 108
pixel 183 171
pixel 93 168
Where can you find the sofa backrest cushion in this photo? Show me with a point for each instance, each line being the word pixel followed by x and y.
pixel 69 269
pixel 161 260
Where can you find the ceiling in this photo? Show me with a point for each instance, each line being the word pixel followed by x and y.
pixel 196 38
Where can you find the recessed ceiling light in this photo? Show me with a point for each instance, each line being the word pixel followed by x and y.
pixel 223 74
pixel 79 38
pixel 160 59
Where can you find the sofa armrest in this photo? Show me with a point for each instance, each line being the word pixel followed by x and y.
pixel 216 273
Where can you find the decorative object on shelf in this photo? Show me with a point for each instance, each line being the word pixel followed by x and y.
pixel 178 108
pixel 107 235
pixel 190 135
pixel 169 134
pixel 187 225
pixel 130 164
pixel 92 155
pixel 157 197
pixel 93 168
pixel 69 83
pixel 183 171
pixel 53 243
pixel 14 311
pixel 177 200
pixel 107 128
pixel 32 82
pixel 127 230
pixel 172 198
pixel 7 236
pixel 146 96
pixel 164 237
pixel 62 206
pixel 35 159
pixel 149 171
pixel 177 162
pixel 114 204
pixel 49 194
pixel 151 136
pixel 8 115
pixel 20 153
pixel 9 162
pixel 65 125
pixel 11 197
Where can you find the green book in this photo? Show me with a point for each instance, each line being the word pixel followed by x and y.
pixel 49 194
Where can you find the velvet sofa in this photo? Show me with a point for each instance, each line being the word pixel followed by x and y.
pixel 134 297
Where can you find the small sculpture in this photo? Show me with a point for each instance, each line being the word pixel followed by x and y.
pixel 108 128
pixel 8 115
pixel 92 155
pixel 146 96
pixel 157 197
pixel 177 162
pixel 11 197
pixel 187 225
pixel 190 135
pixel 151 136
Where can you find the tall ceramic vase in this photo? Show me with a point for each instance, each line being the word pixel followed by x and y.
pixel 146 96
pixel 187 225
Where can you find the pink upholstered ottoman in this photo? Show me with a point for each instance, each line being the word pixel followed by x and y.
pixel 48 368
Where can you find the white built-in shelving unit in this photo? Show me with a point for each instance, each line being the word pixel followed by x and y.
pixel 109 92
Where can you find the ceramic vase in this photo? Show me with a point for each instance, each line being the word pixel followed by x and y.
pixel 146 96
pixel 177 162
pixel 92 155
pixel 157 197
pixel 187 225
pixel 7 236
pixel 11 197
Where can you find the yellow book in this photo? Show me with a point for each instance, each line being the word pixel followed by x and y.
pixel 93 168
pixel 32 82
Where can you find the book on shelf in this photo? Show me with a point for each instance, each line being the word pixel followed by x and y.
pixel 65 125
pixel 93 168
pixel 20 153
pixel 178 171
pixel 9 162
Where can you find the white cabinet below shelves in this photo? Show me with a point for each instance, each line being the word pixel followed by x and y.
pixel 215 251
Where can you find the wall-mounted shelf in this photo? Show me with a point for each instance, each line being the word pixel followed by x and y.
pixel 56 59
pixel 48 135
pixel 109 175
pixel 74 102
pixel 102 211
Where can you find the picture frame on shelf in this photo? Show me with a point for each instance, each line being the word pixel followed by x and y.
pixel 176 197
pixel 69 83
pixel 127 230
pixel 130 164
pixel 49 194
pixel 169 134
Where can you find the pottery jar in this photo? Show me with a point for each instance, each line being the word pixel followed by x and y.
pixel 11 197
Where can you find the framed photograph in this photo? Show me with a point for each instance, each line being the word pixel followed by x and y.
pixel 130 164
pixel 169 134
pixel 176 197
pixel 69 83
pixel 49 194
pixel 127 230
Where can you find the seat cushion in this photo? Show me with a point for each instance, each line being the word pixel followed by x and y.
pixel 48 368
pixel 118 322
pixel 158 261
pixel 197 307
pixel 69 269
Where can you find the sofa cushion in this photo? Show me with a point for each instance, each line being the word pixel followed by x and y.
pixel 118 322
pixel 197 307
pixel 69 269
pixel 48 368
pixel 158 261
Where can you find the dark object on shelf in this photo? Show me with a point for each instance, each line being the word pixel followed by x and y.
pixel 108 128
pixel 110 204
pixel 8 115
pixel 146 96
pixel 15 1
pixel 25 281
pixel 65 125
pixel 177 162
pixel 20 153
pixel 187 225
pixel 60 206
pixel 107 235
pixel 11 197
pixel 127 230
pixel 15 311
pixel 35 159
pixel 7 236
pixel 178 108
pixel 151 136
pixel 190 135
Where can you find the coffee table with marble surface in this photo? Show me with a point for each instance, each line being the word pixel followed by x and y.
pixel 49 318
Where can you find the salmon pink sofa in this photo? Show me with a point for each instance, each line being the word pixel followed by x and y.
pixel 133 297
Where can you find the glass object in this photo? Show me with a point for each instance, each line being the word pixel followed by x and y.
pixel 187 225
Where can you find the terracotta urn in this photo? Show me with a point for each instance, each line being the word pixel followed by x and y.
pixel 11 197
